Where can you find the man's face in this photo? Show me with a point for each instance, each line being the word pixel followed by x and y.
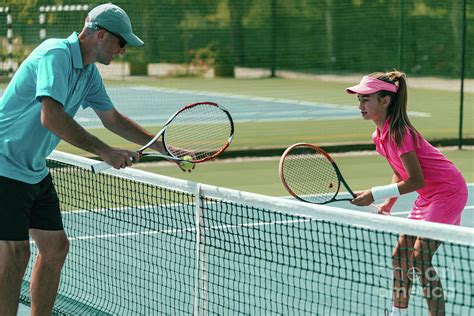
pixel 109 45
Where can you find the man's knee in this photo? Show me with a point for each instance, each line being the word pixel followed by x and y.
pixel 14 253
pixel 52 246
pixel 56 253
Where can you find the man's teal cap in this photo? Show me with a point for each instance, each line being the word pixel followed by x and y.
pixel 113 19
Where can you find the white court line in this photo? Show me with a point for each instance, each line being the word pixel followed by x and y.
pixel 401 213
pixel 265 99
pixel 182 230
pixel 95 123
pixel 469 207
pixel 240 97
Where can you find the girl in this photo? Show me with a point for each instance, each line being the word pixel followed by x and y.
pixel 417 166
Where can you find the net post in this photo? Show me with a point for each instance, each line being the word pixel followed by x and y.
pixel 200 268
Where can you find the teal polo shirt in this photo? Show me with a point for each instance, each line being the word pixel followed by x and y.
pixel 54 69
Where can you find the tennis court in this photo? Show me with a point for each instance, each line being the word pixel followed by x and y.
pixel 138 248
pixel 158 104
pixel 159 248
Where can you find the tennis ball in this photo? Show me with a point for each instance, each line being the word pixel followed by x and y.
pixel 187 164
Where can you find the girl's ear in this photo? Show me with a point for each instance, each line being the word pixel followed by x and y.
pixel 386 101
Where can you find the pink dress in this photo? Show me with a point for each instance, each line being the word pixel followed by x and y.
pixel 444 195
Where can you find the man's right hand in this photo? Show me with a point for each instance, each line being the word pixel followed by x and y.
pixel 120 158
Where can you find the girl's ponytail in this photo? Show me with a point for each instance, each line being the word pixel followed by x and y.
pixel 397 110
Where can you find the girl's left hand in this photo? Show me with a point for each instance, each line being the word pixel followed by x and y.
pixel 385 209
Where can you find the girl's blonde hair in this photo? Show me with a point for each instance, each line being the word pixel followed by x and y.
pixel 397 109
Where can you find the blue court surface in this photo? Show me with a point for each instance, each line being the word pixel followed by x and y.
pixel 153 106
pixel 155 268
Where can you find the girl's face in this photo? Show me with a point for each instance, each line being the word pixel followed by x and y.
pixel 373 108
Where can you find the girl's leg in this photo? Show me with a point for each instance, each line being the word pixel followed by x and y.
pixel 429 279
pixel 402 271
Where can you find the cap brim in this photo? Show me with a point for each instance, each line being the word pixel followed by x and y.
pixel 360 89
pixel 132 39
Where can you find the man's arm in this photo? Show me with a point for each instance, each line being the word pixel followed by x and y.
pixel 130 130
pixel 54 118
pixel 127 128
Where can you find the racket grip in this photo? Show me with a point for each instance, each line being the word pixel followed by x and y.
pixel 102 166
pixel 99 167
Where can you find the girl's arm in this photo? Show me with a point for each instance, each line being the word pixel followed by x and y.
pixel 414 181
pixel 386 206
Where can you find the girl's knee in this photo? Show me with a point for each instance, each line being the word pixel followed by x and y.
pixel 401 257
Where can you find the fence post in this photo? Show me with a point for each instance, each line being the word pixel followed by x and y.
pixel 463 66
pixel 273 52
pixel 401 35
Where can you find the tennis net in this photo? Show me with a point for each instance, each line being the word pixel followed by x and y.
pixel 146 244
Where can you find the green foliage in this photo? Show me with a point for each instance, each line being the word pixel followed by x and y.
pixel 330 36
pixel 137 62
pixel 224 65
pixel 202 60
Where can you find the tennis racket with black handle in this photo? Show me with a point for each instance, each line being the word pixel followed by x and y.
pixel 310 175
pixel 200 131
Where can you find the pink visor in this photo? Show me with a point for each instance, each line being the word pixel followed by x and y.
pixel 369 85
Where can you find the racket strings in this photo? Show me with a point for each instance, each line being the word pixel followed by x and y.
pixel 310 175
pixel 202 131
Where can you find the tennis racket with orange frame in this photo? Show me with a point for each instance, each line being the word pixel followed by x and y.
pixel 310 175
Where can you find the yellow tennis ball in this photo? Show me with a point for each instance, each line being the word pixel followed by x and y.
pixel 187 164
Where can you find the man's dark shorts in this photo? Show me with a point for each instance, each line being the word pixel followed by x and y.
pixel 24 206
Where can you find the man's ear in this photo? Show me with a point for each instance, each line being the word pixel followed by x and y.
pixel 100 34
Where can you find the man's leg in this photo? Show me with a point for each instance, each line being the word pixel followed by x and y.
pixel 16 199
pixel 53 247
pixel 14 257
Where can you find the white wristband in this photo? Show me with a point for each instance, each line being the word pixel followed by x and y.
pixel 385 192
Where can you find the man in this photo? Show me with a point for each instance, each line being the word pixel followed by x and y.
pixel 36 111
